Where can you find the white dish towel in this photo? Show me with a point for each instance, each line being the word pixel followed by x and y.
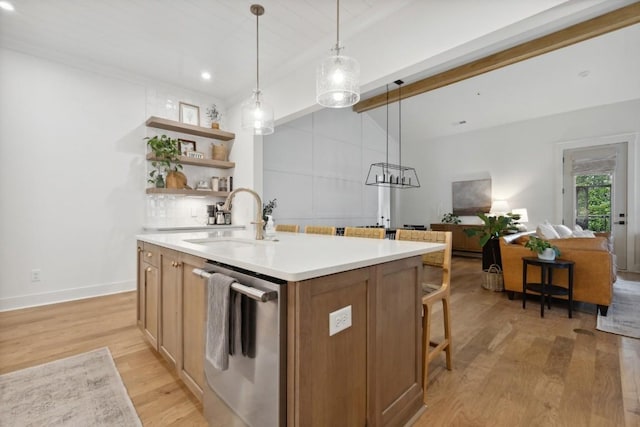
pixel 217 340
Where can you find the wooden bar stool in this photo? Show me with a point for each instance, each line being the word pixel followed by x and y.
pixel 433 294
pixel 290 228
pixel 371 233
pixel 320 229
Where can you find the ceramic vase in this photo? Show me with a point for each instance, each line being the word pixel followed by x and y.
pixel 548 254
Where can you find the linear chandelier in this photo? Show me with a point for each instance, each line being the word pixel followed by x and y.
pixel 338 76
pixel 256 114
pixel 385 174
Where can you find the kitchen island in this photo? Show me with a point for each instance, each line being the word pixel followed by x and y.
pixel 368 373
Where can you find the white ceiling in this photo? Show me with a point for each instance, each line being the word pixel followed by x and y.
pixel 172 41
pixel 599 71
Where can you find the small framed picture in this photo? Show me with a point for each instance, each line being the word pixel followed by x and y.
pixel 186 146
pixel 189 114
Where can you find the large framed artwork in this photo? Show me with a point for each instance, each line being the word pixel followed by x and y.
pixel 471 197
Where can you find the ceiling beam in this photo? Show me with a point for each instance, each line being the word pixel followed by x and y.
pixel 611 21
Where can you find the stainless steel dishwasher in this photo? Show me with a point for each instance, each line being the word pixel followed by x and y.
pixel 253 388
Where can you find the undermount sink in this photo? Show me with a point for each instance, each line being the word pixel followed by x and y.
pixel 229 241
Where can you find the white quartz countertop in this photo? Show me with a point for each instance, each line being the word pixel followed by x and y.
pixel 291 256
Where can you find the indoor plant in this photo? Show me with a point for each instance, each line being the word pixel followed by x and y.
pixel 214 115
pixel 450 218
pixel 493 228
pixel 543 248
pixel 267 208
pixel 165 152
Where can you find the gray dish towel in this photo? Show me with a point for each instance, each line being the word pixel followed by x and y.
pixel 235 321
pixel 218 305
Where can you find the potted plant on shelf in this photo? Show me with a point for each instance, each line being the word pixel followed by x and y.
pixel 450 218
pixel 214 115
pixel 543 248
pixel 166 161
pixel 492 229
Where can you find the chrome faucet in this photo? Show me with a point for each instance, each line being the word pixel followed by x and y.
pixel 258 222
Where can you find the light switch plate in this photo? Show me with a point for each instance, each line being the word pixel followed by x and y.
pixel 339 320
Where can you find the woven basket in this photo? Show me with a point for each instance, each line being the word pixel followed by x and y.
pixel 218 152
pixel 492 279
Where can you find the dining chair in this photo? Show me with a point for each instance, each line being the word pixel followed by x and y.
pixel 291 228
pixel 371 233
pixel 432 293
pixel 320 229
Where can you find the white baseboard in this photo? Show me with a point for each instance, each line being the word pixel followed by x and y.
pixel 64 295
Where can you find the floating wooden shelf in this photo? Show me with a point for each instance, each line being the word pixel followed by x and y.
pixel 184 192
pixel 200 162
pixel 166 124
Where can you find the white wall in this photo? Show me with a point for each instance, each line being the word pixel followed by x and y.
pixel 520 160
pixel 316 166
pixel 72 177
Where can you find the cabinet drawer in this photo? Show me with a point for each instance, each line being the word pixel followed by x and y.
pixel 151 254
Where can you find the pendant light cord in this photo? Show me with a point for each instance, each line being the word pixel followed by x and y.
pixel 387 164
pixel 257 54
pixel 337 27
pixel 400 127
pixel 337 24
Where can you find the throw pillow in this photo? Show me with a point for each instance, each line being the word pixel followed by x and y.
pixel 580 232
pixel 583 233
pixel 562 230
pixel 546 231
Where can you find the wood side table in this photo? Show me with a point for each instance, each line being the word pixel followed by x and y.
pixel 546 288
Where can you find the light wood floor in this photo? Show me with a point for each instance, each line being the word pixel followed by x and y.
pixel 511 368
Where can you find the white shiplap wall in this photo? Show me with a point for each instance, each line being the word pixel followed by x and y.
pixel 316 166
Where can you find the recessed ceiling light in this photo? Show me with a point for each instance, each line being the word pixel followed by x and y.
pixel 206 75
pixel 7 6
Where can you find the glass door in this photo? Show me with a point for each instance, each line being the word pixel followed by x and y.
pixel 595 192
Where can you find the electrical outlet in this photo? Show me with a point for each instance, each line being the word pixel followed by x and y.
pixel 35 275
pixel 339 320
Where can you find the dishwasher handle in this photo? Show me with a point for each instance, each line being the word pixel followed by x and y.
pixel 253 293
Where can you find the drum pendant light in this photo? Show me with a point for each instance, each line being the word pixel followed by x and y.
pixel 385 174
pixel 338 76
pixel 256 114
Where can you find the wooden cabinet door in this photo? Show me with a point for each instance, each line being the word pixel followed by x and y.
pixel 140 287
pixel 472 243
pixel 148 292
pixel 151 297
pixel 194 314
pixel 327 374
pixel 460 240
pixel 169 304
pixel 395 342
pixel 172 310
pixel 370 373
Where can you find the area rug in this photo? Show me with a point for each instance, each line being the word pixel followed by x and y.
pixel 82 390
pixel 623 317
